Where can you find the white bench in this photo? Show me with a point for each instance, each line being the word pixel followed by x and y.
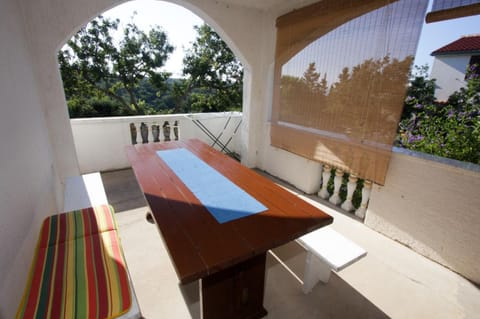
pixel 87 191
pixel 84 191
pixel 327 250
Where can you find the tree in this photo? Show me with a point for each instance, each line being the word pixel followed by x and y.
pixel 420 91
pixel 93 65
pixel 213 76
pixel 312 77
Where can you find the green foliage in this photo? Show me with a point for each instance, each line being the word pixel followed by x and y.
pixel 357 194
pixel 93 108
pixel 450 129
pixel 420 91
pixel 213 76
pixel 105 78
pixel 94 66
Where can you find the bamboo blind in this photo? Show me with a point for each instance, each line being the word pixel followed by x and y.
pixel 341 71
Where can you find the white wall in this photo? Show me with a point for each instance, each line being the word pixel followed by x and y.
pixel 431 205
pixel 100 142
pixel 449 71
pixel 26 162
pixel 300 172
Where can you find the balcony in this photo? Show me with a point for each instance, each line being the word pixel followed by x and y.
pixel 391 281
pixel 427 205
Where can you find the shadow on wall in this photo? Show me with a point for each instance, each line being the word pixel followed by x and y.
pixel 431 207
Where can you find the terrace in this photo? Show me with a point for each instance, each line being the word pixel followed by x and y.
pixel 420 228
pixel 392 281
pixel 378 286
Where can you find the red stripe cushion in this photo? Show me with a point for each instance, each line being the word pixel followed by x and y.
pixel 84 222
pixel 81 278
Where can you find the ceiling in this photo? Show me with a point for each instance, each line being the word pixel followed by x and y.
pixel 270 5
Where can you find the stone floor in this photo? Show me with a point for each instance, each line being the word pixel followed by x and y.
pixel 392 281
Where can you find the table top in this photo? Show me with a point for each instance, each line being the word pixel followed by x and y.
pixel 198 245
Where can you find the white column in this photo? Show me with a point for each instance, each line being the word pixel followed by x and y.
pixel 323 193
pixel 337 183
pixel 351 186
pixel 367 188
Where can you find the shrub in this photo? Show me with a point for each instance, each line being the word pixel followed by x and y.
pixel 450 129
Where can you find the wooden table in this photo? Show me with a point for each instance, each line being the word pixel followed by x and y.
pixel 228 258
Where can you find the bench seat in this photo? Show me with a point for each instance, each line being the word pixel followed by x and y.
pixel 327 250
pixel 78 270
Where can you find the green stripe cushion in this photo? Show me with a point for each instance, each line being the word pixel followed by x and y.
pixel 79 278
pixel 71 225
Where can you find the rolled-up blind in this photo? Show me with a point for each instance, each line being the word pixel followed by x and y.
pixel 452 9
pixel 341 71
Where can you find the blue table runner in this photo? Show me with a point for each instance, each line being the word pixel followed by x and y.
pixel 222 198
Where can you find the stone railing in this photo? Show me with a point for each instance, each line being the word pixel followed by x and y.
pixel 347 191
pixel 100 142
pixel 156 134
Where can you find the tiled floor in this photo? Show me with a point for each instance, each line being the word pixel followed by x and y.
pixel 391 281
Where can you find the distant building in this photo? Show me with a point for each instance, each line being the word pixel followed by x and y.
pixel 451 62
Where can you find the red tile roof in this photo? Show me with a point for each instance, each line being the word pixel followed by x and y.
pixel 470 43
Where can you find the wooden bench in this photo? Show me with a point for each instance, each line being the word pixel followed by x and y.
pixel 79 270
pixel 327 250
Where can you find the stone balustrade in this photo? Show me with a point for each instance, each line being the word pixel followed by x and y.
pixel 107 137
pixel 347 191
pixel 153 132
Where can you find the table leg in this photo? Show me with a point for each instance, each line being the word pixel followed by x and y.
pixel 236 292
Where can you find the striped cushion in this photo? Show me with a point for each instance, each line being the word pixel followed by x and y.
pixel 81 278
pixel 83 222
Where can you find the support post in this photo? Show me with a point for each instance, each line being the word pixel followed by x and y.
pixel 367 188
pixel 323 193
pixel 351 186
pixel 337 183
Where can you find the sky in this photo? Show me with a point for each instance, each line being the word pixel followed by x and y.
pixel 437 34
pixel 178 23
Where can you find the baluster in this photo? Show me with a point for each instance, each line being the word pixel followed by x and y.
pixel 156 133
pixel 337 183
pixel 144 132
pixel 133 133
pixel 175 130
pixel 367 188
pixel 351 186
pixel 166 131
pixel 323 193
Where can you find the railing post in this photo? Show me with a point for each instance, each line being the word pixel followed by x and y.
pixel 175 130
pixel 367 188
pixel 133 133
pixel 351 186
pixel 144 133
pixel 337 183
pixel 166 131
pixel 323 193
pixel 156 133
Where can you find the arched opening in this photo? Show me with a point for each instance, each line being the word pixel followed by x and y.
pixel 149 57
pixel 117 68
